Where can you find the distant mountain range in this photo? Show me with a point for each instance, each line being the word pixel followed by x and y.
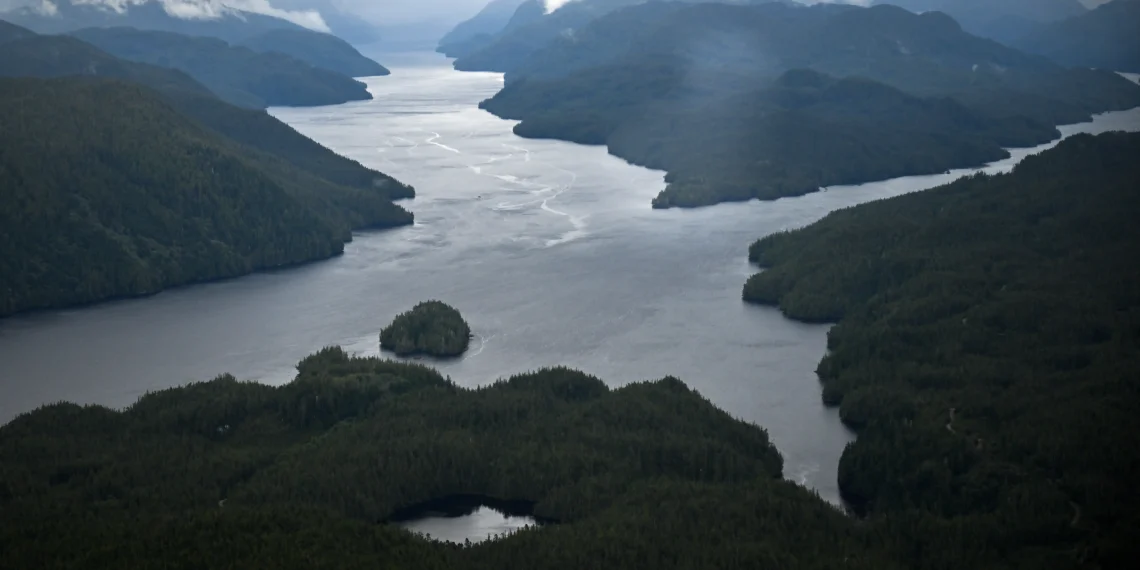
pixel 741 102
pixel 123 178
pixel 1002 20
pixel 480 27
pixel 237 74
pixel 257 31
pixel 60 16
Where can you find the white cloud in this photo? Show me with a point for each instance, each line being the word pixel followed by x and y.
pixel 309 18
pixel 46 7
pixel 552 5
pixel 306 16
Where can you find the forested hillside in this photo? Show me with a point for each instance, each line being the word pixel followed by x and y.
pixel 986 351
pixel 804 132
pixel 529 29
pixel 237 74
pixel 109 192
pixel 226 473
pixel 28 55
pixel 907 94
pixel 189 188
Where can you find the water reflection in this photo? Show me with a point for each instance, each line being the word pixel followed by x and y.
pixel 461 519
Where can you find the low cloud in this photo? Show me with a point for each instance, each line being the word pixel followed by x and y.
pixel 552 5
pixel 184 9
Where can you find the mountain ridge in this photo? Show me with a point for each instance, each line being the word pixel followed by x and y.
pixel 237 74
pixel 124 179
pixel 650 81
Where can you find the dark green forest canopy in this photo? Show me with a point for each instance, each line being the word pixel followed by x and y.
pixel 433 328
pixel 226 473
pixel 109 192
pixel 25 54
pixel 987 350
pixel 783 100
pixel 189 189
pixel 239 75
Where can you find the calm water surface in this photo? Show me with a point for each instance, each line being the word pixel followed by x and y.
pixel 549 249
pixel 478 526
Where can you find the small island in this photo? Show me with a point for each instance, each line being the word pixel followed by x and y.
pixel 432 328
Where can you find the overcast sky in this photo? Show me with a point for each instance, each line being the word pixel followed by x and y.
pixel 379 11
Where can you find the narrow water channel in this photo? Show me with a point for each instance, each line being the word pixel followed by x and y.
pixel 549 249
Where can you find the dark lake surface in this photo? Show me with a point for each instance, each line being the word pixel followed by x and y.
pixel 549 249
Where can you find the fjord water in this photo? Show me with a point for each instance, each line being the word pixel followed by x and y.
pixel 481 524
pixel 549 249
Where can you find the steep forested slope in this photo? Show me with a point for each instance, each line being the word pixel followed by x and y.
pixel 226 473
pixel 109 192
pixel 804 132
pixel 237 74
pixel 742 84
pixel 190 188
pixel 987 349
pixel 61 56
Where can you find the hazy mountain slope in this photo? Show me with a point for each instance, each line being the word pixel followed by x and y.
pixel 10 32
pixel 489 21
pixel 1104 38
pixel 237 74
pixel 110 192
pixel 321 50
pixel 530 29
pixel 1003 20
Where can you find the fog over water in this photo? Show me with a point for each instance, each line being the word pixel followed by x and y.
pixel 549 249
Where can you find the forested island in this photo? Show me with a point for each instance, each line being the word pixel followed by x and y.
pixel 986 351
pixel 433 328
pixel 782 100
pixel 123 179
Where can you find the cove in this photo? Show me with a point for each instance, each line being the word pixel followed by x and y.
pixel 463 518
pixel 549 249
